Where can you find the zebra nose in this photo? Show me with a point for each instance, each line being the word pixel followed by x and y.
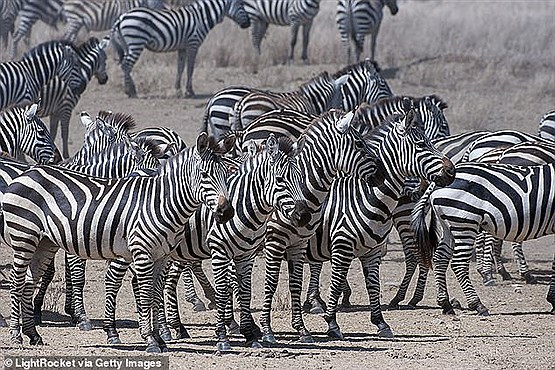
pixel 56 157
pixel 224 211
pixel 301 214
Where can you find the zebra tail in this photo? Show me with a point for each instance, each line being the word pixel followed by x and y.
pixel 425 239
pixel 118 40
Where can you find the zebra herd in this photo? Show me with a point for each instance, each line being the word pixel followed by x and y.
pixel 320 173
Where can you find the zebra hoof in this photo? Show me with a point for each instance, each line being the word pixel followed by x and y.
pixel 114 340
pixel 456 304
pixel 211 305
pixel 306 338
pixel 16 337
pixel 254 344
pixel 269 338
pixel 482 310
pixel 385 333
pixel 153 348
pixel 488 279
pixel 447 308
pixel 233 328
pixel 182 333
pixel 413 304
pixel 505 275
pixel 393 305
pixel 314 306
pixel 335 334
pixel 36 340
pixel 529 278
pixel 166 336
pixel 224 345
pixel 85 325
pixel 3 323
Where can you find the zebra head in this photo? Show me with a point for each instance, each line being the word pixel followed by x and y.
pixel 235 10
pixel 92 58
pixel 333 144
pixel 430 109
pixel 209 177
pixel 392 5
pixel 406 151
pixel 35 139
pixel 146 154
pixel 286 180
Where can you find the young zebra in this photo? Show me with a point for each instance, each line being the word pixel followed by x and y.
pixel 137 218
pixel 98 15
pixel 364 84
pixel 182 30
pixel 358 18
pixel 22 81
pixel 513 203
pixel 57 98
pixel 23 132
pixel 48 11
pixel 294 13
pixel 313 97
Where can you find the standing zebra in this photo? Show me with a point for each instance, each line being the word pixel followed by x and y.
pixel 98 15
pixel 8 13
pixel 513 203
pixel 22 81
pixel 57 98
pixel 357 18
pixel 364 84
pixel 48 11
pixel 182 30
pixel 137 218
pixel 294 13
pixel 22 132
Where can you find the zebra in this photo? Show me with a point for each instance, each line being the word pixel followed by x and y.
pixel 546 129
pixel 312 97
pixel 22 81
pixel 23 132
pixel 8 13
pixel 58 100
pixel 98 15
pixel 295 13
pixel 364 84
pixel 510 202
pixel 136 218
pixel 357 18
pixel 186 270
pixel 182 30
pixel 48 11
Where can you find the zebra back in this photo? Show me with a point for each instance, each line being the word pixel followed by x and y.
pixel 23 132
pixel 546 129
pixel 523 154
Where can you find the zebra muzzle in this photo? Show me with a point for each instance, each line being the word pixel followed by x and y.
pixel 224 210
pixel 301 215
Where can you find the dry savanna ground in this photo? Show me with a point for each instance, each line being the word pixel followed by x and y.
pixel 492 61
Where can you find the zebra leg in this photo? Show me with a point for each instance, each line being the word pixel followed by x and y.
pixel 294 33
pixel 191 56
pixel 274 253
pixel 72 29
pixel 339 268
pixel 371 268
pixel 314 303
pixel 347 292
pixel 306 39
pixel 127 66
pixel 410 268
pixel 442 256
pixel 39 297
pixel 190 292
pixel 113 278
pixel 171 302
pixel 295 264
pixel 247 327
pixel 551 292
pixel 522 264
pixel 460 266
pixel 359 45
pixel 420 286
pixel 230 323
pixel 373 38
pixel 258 30
pixel 209 292
pixel 484 251
pixel 496 248
pixel 159 275
pixel 64 125
pixel 76 267
pixel 222 277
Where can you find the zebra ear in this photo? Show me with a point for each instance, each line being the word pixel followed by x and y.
pixel 86 120
pixel 105 42
pixel 345 122
pixel 272 146
pixel 202 142
pixel 252 148
pixel 31 111
pixel 340 81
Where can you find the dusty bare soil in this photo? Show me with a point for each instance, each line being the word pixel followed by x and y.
pixel 481 93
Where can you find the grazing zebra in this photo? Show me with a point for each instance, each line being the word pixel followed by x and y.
pixel 313 97
pixel 23 132
pixel 58 100
pixel 136 218
pixel 48 11
pixel 358 18
pixel 546 130
pixel 182 30
pixel 510 202
pixel 364 84
pixel 98 15
pixel 22 81
pixel 294 13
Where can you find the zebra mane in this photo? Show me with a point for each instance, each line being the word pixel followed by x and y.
pixel 149 145
pixel 285 144
pixel 322 77
pixel 122 122
pixel 92 42
pixel 436 100
pixel 380 130
pixel 364 64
